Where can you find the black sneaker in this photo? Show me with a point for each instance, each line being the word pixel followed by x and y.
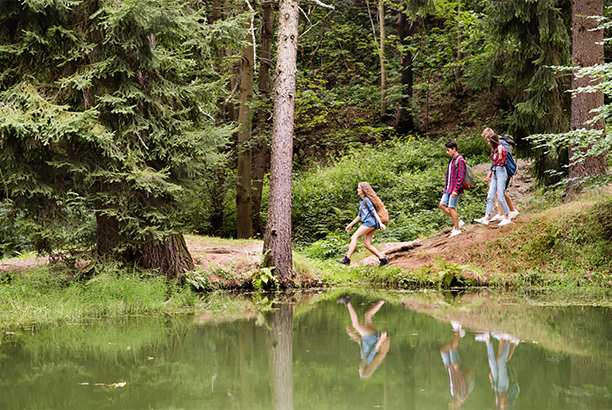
pixel 383 262
pixel 344 300
pixel 345 261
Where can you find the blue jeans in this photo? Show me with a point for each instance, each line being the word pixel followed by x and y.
pixel 499 371
pixel 498 184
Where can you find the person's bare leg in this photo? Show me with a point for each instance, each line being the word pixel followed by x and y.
pixel 508 202
pixel 367 242
pixel 511 351
pixel 361 231
pixel 353 315
pixel 363 330
pixel 452 213
pixel 370 313
pixel 500 349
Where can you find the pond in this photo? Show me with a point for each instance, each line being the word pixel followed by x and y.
pixel 326 350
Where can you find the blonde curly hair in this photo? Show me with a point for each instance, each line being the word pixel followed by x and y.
pixel 369 192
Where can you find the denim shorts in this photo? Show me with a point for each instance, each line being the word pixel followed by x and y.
pixel 448 200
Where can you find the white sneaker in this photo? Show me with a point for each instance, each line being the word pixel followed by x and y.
pixel 461 223
pixel 505 222
pixel 482 221
pixel 513 214
pixel 482 337
pixel 454 233
pixel 457 328
pixel 496 218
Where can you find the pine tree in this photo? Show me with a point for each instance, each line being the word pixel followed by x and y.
pixel 114 102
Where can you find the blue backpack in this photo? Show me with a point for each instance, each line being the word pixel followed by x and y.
pixel 510 164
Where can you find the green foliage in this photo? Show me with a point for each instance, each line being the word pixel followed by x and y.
pixel 15 238
pixel 264 279
pixel 200 280
pixel 332 246
pixel 407 176
pixel 112 102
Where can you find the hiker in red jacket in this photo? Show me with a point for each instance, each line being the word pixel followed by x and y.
pixel 455 173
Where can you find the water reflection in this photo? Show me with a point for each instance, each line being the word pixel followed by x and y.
pixel 505 388
pixel 299 354
pixel 374 345
pixel 460 376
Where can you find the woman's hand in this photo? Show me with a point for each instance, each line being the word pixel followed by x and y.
pixel 348 227
pixel 383 226
pixel 489 175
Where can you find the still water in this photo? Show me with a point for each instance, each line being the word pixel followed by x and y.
pixel 325 351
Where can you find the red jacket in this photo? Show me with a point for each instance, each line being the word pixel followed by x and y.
pixel 457 174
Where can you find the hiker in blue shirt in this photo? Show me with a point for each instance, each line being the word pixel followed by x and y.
pixel 370 222
pixel 374 344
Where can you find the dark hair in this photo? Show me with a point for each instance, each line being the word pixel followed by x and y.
pixel 451 145
pixel 493 141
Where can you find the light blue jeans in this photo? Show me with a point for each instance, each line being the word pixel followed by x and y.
pixel 499 371
pixel 498 184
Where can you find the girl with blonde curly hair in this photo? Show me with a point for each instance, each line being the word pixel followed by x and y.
pixel 370 222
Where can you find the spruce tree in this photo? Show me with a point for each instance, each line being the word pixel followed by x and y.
pixel 113 102
pixel 531 38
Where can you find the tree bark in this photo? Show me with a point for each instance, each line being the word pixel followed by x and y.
pixel 383 67
pixel 277 238
pixel 170 258
pixel 405 123
pixel 260 151
pixel 244 213
pixel 281 357
pixel 587 50
pixel 458 87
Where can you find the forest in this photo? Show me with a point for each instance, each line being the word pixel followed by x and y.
pixel 125 125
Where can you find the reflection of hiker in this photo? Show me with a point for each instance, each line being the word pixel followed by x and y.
pixel 502 380
pixel 374 345
pixel 498 175
pixel 460 378
pixel 486 133
pixel 370 222
pixel 455 173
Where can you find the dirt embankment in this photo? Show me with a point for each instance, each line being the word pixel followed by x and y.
pixel 474 237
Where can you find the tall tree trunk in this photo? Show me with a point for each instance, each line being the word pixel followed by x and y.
pixel 260 152
pixel 383 67
pixel 107 232
pixel 458 87
pixel 277 238
pixel 587 50
pixel 405 123
pixel 281 357
pixel 170 258
pixel 244 213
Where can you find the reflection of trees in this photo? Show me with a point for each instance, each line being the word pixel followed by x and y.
pixel 281 357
